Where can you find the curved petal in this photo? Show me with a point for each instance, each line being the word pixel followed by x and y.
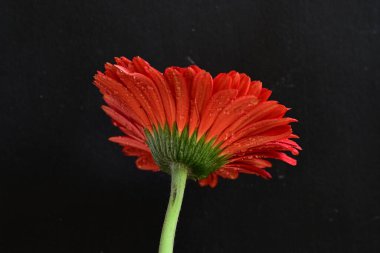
pixel 126 125
pixel 216 104
pixel 130 142
pixel 166 94
pixel 254 141
pixel 230 114
pixel 211 180
pixel 146 92
pixel 200 94
pixel 231 134
pixel 147 163
pixel 222 82
pixel 245 82
pixel 179 85
pixel 125 98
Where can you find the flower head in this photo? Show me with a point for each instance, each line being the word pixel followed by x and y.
pixel 216 127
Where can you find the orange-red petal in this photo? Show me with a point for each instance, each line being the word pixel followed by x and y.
pixel 123 96
pixel 181 91
pixel 130 142
pixel 211 111
pixel 230 114
pixel 200 94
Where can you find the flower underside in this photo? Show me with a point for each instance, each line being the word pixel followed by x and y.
pixel 216 127
pixel 169 146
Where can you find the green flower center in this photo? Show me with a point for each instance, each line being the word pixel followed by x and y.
pixel 169 146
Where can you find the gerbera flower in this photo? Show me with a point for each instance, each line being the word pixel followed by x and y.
pixel 186 120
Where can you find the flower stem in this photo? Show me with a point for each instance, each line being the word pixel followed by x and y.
pixel 178 184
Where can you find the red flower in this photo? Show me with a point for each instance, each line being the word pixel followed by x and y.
pixel 217 127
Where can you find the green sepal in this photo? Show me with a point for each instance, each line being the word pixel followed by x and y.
pixel 169 146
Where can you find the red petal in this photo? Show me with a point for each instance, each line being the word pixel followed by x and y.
pixel 189 75
pixel 144 89
pixel 244 144
pixel 251 160
pixel 265 94
pixel 147 163
pixel 249 169
pixel 126 125
pixel 255 88
pixel 230 114
pixel 211 180
pixel 200 95
pixel 245 82
pixel 132 151
pixel 235 77
pixel 229 173
pixel 222 82
pixel 216 104
pixel 231 135
pixel 140 65
pixel 179 85
pixel 194 118
pixel 270 146
pixel 265 110
pixel 166 94
pixel 124 61
pixel 123 96
pixel 119 107
pixel 279 156
pixel 128 141
pixel 110 71
pixel 290 143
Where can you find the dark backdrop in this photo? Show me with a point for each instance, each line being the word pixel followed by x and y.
pixel 65 188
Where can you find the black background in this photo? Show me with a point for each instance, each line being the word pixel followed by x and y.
pixel 65 188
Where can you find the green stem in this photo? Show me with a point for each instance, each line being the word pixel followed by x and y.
pixel 179 176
